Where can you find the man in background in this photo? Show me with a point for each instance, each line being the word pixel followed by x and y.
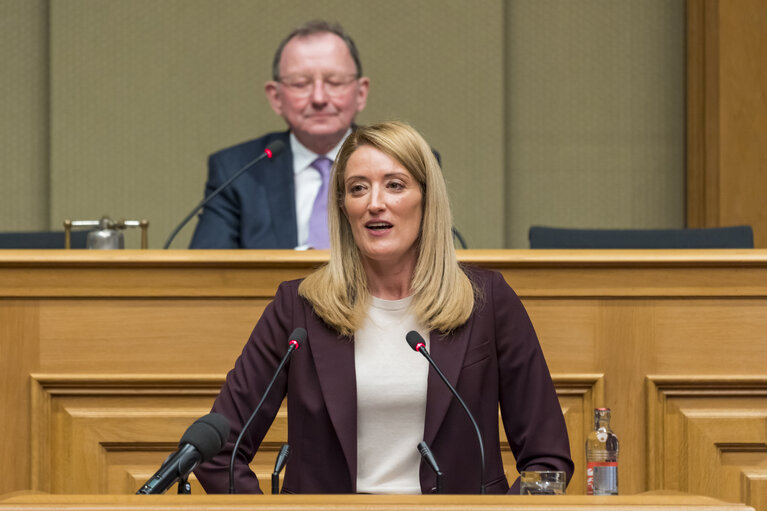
pixel 318 88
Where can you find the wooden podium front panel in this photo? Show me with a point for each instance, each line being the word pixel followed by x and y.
pixel 145 335
pixel 109 434
pixel 105 358
pixel 709 434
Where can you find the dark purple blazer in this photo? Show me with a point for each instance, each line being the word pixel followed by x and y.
pixel 494 358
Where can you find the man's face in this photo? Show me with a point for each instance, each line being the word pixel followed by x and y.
pixel 318 93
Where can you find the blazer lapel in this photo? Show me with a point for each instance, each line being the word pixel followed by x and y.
pixel 448 353
pixel 333 356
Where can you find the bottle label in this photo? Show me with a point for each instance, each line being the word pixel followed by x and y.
pixel 602 478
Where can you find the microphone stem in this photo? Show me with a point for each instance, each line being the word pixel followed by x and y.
pixel 291 348
pixel 468 413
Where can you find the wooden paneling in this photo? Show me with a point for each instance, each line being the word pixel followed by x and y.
pixel 108 434
pixel 93 434
pixel 727 114
pixel 143 335
pixel 743 114
pixel 101 339
pixel 709 435
pixel 19 353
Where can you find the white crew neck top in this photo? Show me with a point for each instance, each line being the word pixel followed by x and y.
pixel 391 399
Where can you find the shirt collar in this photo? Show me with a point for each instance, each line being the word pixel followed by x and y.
pixel 303 157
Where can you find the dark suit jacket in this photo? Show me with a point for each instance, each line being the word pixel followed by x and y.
pixel 258 209
pixel 494 358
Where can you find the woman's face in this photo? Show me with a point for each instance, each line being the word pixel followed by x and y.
pixel 384 205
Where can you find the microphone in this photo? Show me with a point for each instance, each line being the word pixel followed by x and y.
pixel 279 463
pixel 416 342
pixel 201 441
pixel 297 337
pixel 457 236
pixel 428 457
pixel 271 151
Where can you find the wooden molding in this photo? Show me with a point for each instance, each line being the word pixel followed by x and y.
pixel 702 113
pixel 80 422
pixel 641 502
pixel 708 433
pixel 108 433
pixel 560 273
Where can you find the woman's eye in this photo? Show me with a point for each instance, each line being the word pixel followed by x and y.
pixel 396 185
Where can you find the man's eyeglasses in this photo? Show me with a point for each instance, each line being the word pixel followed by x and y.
pixel 303 86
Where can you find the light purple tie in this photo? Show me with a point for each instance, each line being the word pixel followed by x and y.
pixel 318 222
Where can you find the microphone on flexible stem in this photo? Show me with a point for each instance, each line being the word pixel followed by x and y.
pixel 297 337
pixel 201 441
pixel 279 463
pixel 416 342
pixel 271 151
pixel 428 457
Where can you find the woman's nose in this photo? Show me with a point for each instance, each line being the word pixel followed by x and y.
pixel 377 200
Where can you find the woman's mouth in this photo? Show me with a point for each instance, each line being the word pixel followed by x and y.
pixel 378 226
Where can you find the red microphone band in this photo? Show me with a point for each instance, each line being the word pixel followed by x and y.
pixel 419 346
pixel 268 152
pixel 293 343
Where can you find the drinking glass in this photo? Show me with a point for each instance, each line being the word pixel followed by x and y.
pixel 542 482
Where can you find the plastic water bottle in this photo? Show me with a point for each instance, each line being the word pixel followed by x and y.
pixel 602 456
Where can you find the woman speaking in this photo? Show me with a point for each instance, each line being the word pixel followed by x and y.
pixel 359 399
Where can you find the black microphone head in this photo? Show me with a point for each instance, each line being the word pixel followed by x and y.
pixel 208 434
pixel 276 147
pixel 298 335
pixel 414 339
pixel 282 458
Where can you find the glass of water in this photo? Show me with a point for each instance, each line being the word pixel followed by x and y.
pixel 542 482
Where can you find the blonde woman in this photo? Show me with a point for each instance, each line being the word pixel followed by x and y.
pixel 359 399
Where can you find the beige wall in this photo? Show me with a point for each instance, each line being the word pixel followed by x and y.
pixel 24 142
pixel 595 115
pixel 557 112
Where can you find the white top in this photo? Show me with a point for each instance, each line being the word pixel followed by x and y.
pixel 391 399
pixel 307 182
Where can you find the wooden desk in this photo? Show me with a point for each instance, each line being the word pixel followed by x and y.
pixel 366 503
pixel 106 357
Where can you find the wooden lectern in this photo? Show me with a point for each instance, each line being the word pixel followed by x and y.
pixel 107 356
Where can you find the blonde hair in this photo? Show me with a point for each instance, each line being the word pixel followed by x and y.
pixel 443 296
